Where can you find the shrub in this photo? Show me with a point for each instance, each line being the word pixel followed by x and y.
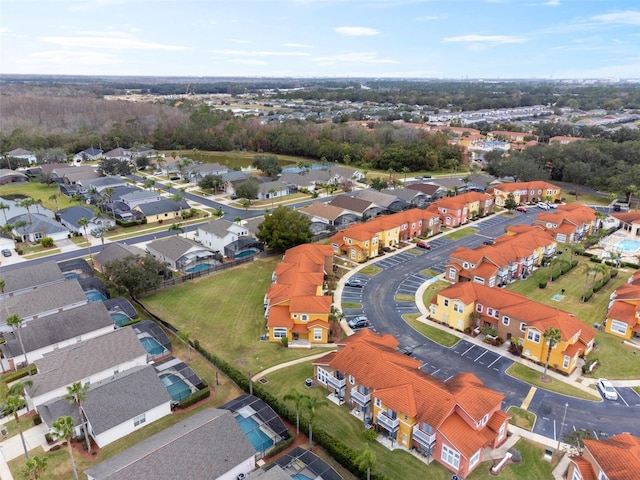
pixel 542 284
pixel 595 259
pixel 49 438
pixel 285 342
pixel 614 272
pixel 37 420
pixel 587 296
pixel 47 242
pixel 555 276
pixel 12 377
pixel 371 435
pixel 195 397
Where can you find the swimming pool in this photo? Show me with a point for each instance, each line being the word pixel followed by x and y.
pixel 151 345
pixel 95 296
pixel 197 268
pixel 71 275
pixel 246 253
pixel 627 246
pixel 260 440
pixel 177 387
pixel 300 476
pixel 119 318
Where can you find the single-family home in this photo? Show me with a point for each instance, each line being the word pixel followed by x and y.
pixel 88 155
pixel 469 306
pixel 36 226
pixel 162 210
pixel 275 189
pixel 564 140
pixel 415 198
pixel 209 444
pixel 115 251
pixel 431 191
pixel 386 202
pixel 22 154
pixel 55 331
pixel 118 153
pixel 8 176
pixel 116 406
pixel 70 216
pixel 323 215
pixel 614 458
pixel 182 254
pixel 568 223
pixel 297 181
pixel 139 197
pixel 526 192
pixel 88 361
pixel 232 179
pixel 623 313
pixel 341 174
pixel 70 175
pixel 31 276
pixel 452 422
pixel 361 209
pixel 296 306
pixel 229 238
pixel 197 171
pixel 98 185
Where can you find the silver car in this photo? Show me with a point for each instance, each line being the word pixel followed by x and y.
pixel 607 389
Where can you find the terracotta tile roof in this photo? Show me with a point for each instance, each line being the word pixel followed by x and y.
pixel 618 456
pixel 318 323
pixel 534 185
pixel 585 468
pixel 628 291
pixel 400 399
pixel 466 440
pixel 623 312
pixel 472 396
pixel 279 317
pixel 497 420
pixel 310 304
pixel 627 217
pixel 573 349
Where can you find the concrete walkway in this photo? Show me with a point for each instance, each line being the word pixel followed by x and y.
pixel 267 371
pixel 12 447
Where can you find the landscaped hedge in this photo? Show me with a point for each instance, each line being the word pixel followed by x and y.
pixel 12 377
pixel 195 397
pixel 595 260
pixel 542 284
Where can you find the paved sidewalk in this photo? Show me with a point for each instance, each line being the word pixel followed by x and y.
pixel 12 447
pixel 267 371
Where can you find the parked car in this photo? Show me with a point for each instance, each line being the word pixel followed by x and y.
pixel 488 242
pixel 521 209
pixel 6 252
pixel 543 206
pixel 423 244
pixel 607 389
pixel 354 282
pixel 359 322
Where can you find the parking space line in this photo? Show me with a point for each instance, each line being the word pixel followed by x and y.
pixel 491 364
pixel 622 398
pixel 481 355
pixel 468 350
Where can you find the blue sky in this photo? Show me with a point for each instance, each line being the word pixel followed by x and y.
pixel 323 38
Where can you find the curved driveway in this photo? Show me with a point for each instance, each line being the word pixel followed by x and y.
pixel 401 275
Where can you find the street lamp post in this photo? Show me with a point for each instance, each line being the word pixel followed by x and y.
pixel 566 405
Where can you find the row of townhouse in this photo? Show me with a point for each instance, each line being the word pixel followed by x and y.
pixel 458 210
pixel 363 241
pixel 451 422
pixel 568 223
pixel 615 458
pixel 526 192
pixel 296 307
pixel 623 312
pixel 467 306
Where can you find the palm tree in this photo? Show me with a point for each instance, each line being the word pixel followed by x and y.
pixel 15 322
pixel 313 404
pixel 109 191
pixel 552 337
pixel 34 467
pixel 83 222
pixel 26 203
pixel 589 268
pixel 185 335
pixel 298 400
pixel 63 429
pixel 77 393
pixel 176 227
pixel 178 197
pixel 54 197
pixel 4 207
pixel 15 402
pixel 149 183
pixel 366 460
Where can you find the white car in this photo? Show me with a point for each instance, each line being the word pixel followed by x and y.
pixel 543 206
pixel 607 389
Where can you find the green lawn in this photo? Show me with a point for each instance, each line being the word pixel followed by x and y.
pixel 224 313
pixel 532 377
pixel 443 338
pixel 461 233
pixel 38 191
pixel 370 270
pixel 402 297
pixel 351 305
pixel 521 418
pixel 616 360
pixel 432 289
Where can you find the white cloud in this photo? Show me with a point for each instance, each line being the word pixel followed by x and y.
pixel 485 39
pixel 237 40
pixel 68 58
pixel 549 3
pixel 260 53
pixel 244 61
pixel 357 31
pixel 108 40
pixel 353 57
pixel 296 45
pixel 630 17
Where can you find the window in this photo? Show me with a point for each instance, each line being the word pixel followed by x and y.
pixel 565 363
pixel 452 273
pixel 479 280
pixel 533 336
pixel 618 327
pixel 279 332
pixel 295 315
pixel 378 402
pixel 304 317
pixel 353 254
pixel 317 334
pixel 139 420
pixel 352 380
pixel 474 459
pixel 446 302
pixel 404 438
pixel 501 431
pixel 458 307
pixel 576 474
pixel 450 457
pixel 492 282
pixel 465 265
pixel 490 311
pixel 523 326
pixel 505 321
pixel 479 307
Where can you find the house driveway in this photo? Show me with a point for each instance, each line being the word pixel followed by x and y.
pixel 12 447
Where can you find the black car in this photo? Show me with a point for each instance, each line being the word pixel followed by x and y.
pixel 488 242
pixel 354 282
pixel 359 322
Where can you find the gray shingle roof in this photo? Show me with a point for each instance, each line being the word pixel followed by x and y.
pixel 162 206
pixel 219 227
pixel 39 224
pixel 75 213
pixel 173 247
pixel 139 195
pixel 77 362
pixel 46 298
pixel 379 198
pixel 206 445
pixel 115 251
pixel 350 203
pixel 50 330
pixel 30 276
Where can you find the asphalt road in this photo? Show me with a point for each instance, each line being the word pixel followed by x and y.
pixel 401 275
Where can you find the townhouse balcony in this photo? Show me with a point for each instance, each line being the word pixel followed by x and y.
pixel 388 423
pixel 362 399
pixel 336 381
pixel 424 438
